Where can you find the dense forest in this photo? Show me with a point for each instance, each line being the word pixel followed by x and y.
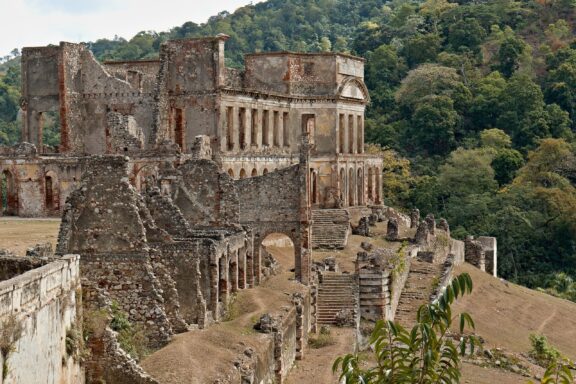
pixel 473 104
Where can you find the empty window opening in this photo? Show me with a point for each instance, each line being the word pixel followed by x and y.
pixel 49 193
pixel 350 134
pixel 254 127
pixel 230 128
pixel 276 130
pixel 342 185
pixel 9 194
pixel 265 127
pixel 242 125
pixel 360 187
pixel 178 128
pixel 351 201
pixel 309 126
pixel 360 137
pixel 285 131
pixel 341 132
pixel 49 129
pixel 314 177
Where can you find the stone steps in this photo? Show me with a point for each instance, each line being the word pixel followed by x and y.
pixel 330 228
pixel 335 293
pixel 417 291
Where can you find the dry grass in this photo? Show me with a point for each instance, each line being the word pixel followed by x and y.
pixel 18 234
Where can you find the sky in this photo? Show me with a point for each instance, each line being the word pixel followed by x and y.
pixel 42 22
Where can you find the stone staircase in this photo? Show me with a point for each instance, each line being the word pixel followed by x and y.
pixel 336 292
pixel 420 285
pixel 330 228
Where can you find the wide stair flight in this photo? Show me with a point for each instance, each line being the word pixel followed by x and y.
pixel 330 228
pixel 420 285
pixel 336 292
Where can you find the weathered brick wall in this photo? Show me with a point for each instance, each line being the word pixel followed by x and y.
pixel 45 302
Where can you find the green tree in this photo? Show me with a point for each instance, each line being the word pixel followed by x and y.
pixel 505 164
pixel 509 55
pixel 434 124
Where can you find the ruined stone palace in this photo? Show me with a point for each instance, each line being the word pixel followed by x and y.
pixel 152 111
pixel 170 177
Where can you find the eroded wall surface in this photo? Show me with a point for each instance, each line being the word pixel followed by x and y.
pixel 45 302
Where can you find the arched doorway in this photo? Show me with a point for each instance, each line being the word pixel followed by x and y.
pixel 265 171
pixel 51 193
pixel 254 172
pixel 314 186
pixel 360 187
pixel 370 184
pixel 231 172
pixel 343 185
pixel 242 173
pixel 9 194
pixel 351 188
pixel 277 255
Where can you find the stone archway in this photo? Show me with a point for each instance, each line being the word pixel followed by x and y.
pixel 51 193
pixel 360 187
pixel 351 188
pixel 280 248
pixel 9 194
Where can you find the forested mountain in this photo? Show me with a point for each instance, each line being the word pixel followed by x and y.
pixel 474 103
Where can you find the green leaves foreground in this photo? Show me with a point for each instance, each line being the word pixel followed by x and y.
pixel 424 354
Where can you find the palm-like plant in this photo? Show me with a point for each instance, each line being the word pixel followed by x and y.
pixel 423 355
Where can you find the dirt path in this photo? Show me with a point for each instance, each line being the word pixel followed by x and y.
pixel 316 367
pixel 18 234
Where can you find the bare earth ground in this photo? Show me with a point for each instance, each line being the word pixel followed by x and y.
pixel 17 234
pixel 506 314
pixel 317 364
pixel 347 257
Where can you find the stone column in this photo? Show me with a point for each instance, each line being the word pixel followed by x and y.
pixel 242 268
pixel 414 218
pixel 234 273
pixel 431 224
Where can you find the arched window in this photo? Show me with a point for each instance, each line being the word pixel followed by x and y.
pixel 265 171
pixel 9 194
pixel 314 189
pixel 351 187
pixel 360 187
pixel 370 184
pixel 254 172
pixel 231 172
pixel 242 173
pixel 342 185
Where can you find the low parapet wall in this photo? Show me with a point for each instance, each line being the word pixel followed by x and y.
pixel 38 315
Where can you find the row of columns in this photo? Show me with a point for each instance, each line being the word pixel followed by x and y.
pixel 232 271
pixel 245 128
pixel 352 186
pixel 350 137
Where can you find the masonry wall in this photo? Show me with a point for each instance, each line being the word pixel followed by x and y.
pixel 45 301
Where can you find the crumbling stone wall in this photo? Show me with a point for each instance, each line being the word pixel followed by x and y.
pixel 206 196
pixel 105 221
pixel 275 203
pixel 44 305
pixel 107 361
